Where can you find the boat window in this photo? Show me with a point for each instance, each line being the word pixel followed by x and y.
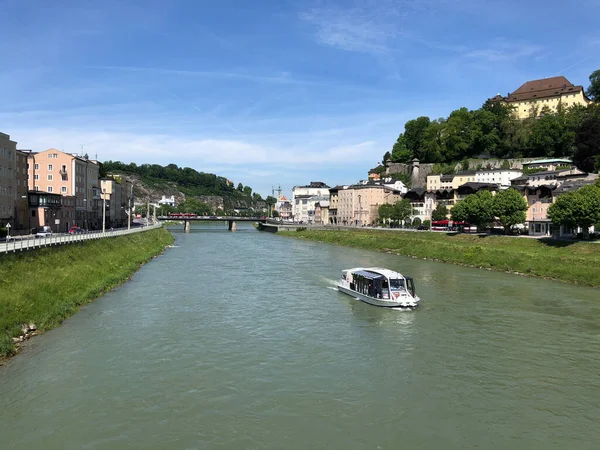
pixel 397 284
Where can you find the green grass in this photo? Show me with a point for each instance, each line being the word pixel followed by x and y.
pixel 48 285
pixel 572 262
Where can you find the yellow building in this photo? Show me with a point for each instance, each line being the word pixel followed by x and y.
pixel 533 96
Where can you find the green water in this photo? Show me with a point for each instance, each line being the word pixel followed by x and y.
pixel 240 341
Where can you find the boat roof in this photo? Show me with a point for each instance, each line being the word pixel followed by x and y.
pixel 375 272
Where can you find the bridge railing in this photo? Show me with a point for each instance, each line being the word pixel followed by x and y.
pixel 23 243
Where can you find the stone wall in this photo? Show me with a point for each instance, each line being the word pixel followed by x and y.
pixel 419 179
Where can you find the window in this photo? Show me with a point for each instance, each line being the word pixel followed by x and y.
pixel 49 189
pixel 63 189
pixel 36 177
pixel 49 167
pixel 36 166
pixel 37 188
pixel 49 177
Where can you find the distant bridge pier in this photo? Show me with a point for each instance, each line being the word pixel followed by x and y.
pixel 232 225
pixel 187 226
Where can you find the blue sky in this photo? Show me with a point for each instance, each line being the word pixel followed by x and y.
pixel 273 92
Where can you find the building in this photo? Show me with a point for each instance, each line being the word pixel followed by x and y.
pixel 304 199
pixel 501 177
pixel 116 201
pixel 22 213
pixel 57 172
pixel 422 203
pixel 359 204
pixel 333 204
pixel 322 212
pixel 284 210
pixel 539 198
pixel 440 182
pixel 8 186
pixel 533 97
pixel 45 209
pixel 548 164
pixel 169 201
pixel 553 177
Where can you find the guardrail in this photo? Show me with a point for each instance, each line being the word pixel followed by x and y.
pixel 19 243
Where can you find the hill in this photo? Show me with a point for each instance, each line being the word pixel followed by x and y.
pixel 152 181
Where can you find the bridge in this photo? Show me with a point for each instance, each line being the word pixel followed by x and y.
pixel 189 218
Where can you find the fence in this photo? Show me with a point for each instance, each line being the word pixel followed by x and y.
pixel 19 243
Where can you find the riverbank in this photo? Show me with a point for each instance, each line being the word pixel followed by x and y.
pixel 41 288
pixel 571 262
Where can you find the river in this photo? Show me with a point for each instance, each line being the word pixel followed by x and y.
pixel 240 341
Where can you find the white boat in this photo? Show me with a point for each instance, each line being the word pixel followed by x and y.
pixel 379 287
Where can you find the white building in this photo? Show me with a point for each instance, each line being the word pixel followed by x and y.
pixel 167 201
pixel 304 199
pixel 502 177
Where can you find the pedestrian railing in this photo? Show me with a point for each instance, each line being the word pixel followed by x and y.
pixel 23 243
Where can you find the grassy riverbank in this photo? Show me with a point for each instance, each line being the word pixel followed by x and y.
pixel 48 285
pixel 572 262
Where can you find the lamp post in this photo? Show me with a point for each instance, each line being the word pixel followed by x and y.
pixel 103 210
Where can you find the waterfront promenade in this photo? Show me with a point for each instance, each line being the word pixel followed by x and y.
pixel 24 243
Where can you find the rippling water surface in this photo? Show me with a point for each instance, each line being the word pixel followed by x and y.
pixel 240 341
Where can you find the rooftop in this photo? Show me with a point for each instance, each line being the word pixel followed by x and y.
pixel 543 88
pixel 549 161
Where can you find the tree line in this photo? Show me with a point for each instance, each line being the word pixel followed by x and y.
pixel 494 130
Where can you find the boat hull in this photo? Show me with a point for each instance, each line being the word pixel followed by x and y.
pixel 403 304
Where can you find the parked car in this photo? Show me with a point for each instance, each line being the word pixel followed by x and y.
pixel 76 230
pixel 45 231
pixel 422 227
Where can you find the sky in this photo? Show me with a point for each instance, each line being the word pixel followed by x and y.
pixel 270 92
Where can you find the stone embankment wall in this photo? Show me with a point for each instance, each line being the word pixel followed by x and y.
pixel 419 171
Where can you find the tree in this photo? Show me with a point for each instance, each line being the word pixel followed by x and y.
pixel 510 208
pixel 476 209
pixel 400 153
pixel 194 206
pixel 577 208
pixel 439 213
pixel 248 191
pixel 271 201
pixel 593 91
pixel 414 134
pixel 587 143
pixel 240 187
pixel 386 157
pixel 402 210
pixel 385 212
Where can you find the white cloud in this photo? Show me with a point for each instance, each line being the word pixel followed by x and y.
pixel 501 50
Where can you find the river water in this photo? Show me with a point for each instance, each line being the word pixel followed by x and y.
pixel 240 341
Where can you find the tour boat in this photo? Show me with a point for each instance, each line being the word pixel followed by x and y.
pixel 379 287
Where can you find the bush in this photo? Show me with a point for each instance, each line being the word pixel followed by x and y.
pixel 416 222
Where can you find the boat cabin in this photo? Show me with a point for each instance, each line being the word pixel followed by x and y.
pixel 377 285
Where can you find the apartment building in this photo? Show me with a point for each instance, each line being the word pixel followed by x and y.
pixel 8 187
pixel 359 204
pixel 304 199
pixel 58 172
pixel 116 198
